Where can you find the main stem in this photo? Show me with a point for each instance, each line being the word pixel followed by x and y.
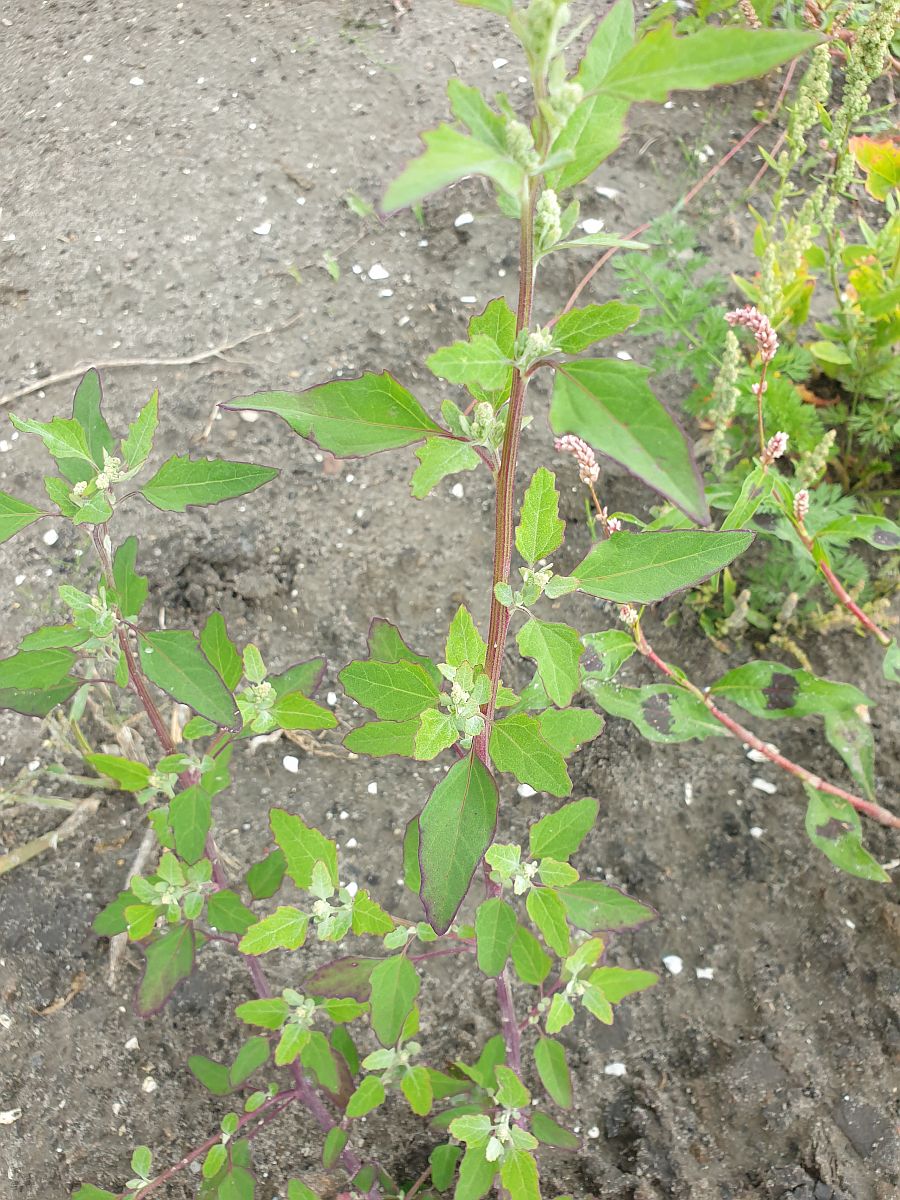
pixel 503 544
pixel 303 1089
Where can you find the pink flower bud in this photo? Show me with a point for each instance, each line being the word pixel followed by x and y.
pixel 760 326
pixel 588 467
pixel 775 447
pixel 613 524
pixel 628 615
pixel 759 389
pixel 801 505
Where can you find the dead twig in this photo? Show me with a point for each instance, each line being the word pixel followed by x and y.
pixel 118 943
pixel 60 1002
pixel 49 841
pixel 113 363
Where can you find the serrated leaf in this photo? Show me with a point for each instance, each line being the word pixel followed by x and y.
pixel 438 458
pixel 94 511
pixel 449 156
pixel 478 363
pixel 131 588
pixel 416 1087
pixel 540 530
pixel 464 642
pixel 174 661
pixel 556 648
pixel 15 515
pixel 36 669
pixel 548 913
pixel 443 1160
pixel 394 691
pixel 532 965
pixel 437 731
pixel 471 108
pixel 550 1060
pixel 567 729
pixel 369 916
pixel 519 1174
pixel 834 827
pixel 516 745
pixel 296 711
pixel 303 847
pixel 394 985
pixel 264 878
pixel 66 441
pixel 582 327
pixel 617 982
pixel 497 322
pixel 293 1041
pixel 183 481
pixel 350 417
pixel 367 1096
pixel 559 834
pixel 212 1075
pixel 609 404
pixel 169 959
pixel 660 62
pixel 129 775
pixel 226 912
pixel 221 651
pixel 642 568
pixel 139 441
pixel 596 907
pixel 476 1175
pixel 495 928
pixel 455 828
pixel 284 929
pixel 381 738
pixel 190 816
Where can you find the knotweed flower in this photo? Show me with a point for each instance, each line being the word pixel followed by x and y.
pixel 801 505
pixel 759 325
pixel 588 467
pixel 775 447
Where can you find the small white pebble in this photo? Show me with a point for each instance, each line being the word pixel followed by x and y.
pixel 755 831
pixel 343 815
pixel 356 269
pixel 704 972
pixel 248 415
pixel 50 538
pixel 673 964
pixel 593 1132
pixel 385 293
pixel 377 271
pixel 688 792
pixel 850 924
pixel 291 763
pixel 264 229
pixel 468 299
pixel 5 1021
pixel 136 81
pixel 669 104
pixel 458 491
pixel 464 218
pixel 132 1044
pixel 331 699
pixel 763 785
pixel 756 756
pixel 606 193
pixel 499 62
pixel 34 764
pixel 623 355
pixel 10 1115
pixel 525 790
pixel 352 888
pixel 149 1085
pixel 20 579
pixel 591 225
pixel 351 844
pixel 616 1068
pixel 372 789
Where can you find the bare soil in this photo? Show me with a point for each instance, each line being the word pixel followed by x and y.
pixel 160 217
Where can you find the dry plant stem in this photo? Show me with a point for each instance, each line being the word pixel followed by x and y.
pixel 49 841
pixel 109 363
pixel 866 807
pixel 303 1090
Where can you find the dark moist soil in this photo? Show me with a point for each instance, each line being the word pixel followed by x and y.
pixel 132 226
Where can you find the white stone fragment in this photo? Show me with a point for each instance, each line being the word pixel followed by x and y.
pixel 468 299
pixel 607 193
pixel 525 790
pixel 263 230
pixel 673 964
pixel 331 699
pixel 352 888
pixel 850 924
pixel 592 225
pixel 136 81
pixel 763 785
pixel 10 1115
pixel 291 763
pixel 248 415
pixel 615 1068
pixel 623 355
pixel 464 218
pixel 756 756
pixel 351 843
pixel 50 538
pixel 5 1021
pixel 704 972
pixel 132 1044
pixel 458 491
pixel 499 62
pixel 372 789
pixel 377 271
pixel 149 1085
pixel 755 831
pixel 688 791
pixel 593 1132
pixel 343 815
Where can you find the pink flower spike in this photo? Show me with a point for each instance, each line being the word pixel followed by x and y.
pixel 775 447
pixel 759 325
pixel 628 615
pixel 588 467
pixel 801 505
pixel 613 524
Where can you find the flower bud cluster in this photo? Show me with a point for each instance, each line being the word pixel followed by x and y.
pixel 774 448
pixel 801 505
pixel 759 325
pixel 725 395
pixel 547 221
pixel 531 346
pixel 588 467
pixel 520 145
pixel 812 465
pixel 468 692
pixel 485 427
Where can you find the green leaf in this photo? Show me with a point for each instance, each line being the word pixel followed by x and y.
pixel 879 532
pixel 87 1191
pixel 303 847
pixel 387 646
pixel 597 907
pixel 52 637
pixel 559 834
pixel 551 1133
pixel 609 404
pixel 416 1087
pixel 476 1175
pixel 550 1060
pixel 641 568
pixel 36 669
pixel 561 1013
pixel 567 729
pixel 437 731
pixel 443 1160
pixel 238 1184
pixel 556 648
pixel 660 62
pixel 478 363
pixel 595 128
pixel 139 441
pixel 215 1160
pixel 60 494
pixel 834 826
pixel 616 982
pixel 660 711
pixel 381 738
pixel 450 155
pixel 131 588
pixel 345 977
pixel 350 417
pixel 582 327
pixel 503 7
pixel 394 691
pixel 531 963
pixel 367 1096
pixel 169 959
pixel 519 1174
pixel 455 828
pixel 221 651
pixel 284 929
pixel 495 928
pixel 173 660
pixel 335 1141
pixel 66 441
pixel 295 711
pixel 369 916
pixel 770 690
pixel 464 643
pixel 439 457
pixel 412 874
pixel 299 1191
pixel 511 1092
pixel 540 530
pixel 548 913
pixel 516 745
pixel 497 322
pixel 471 108
pixel 319 1058
pixel 37 702
pixel 226 912
pixel 15 515
pixel 94 511
pixel 130 776
pixel 756 488
pixel 250 1057
pixel 182 481
pixel 891 665
pixel 215 1077
pixel 265 877
pixel 190 815
pixel 394 986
